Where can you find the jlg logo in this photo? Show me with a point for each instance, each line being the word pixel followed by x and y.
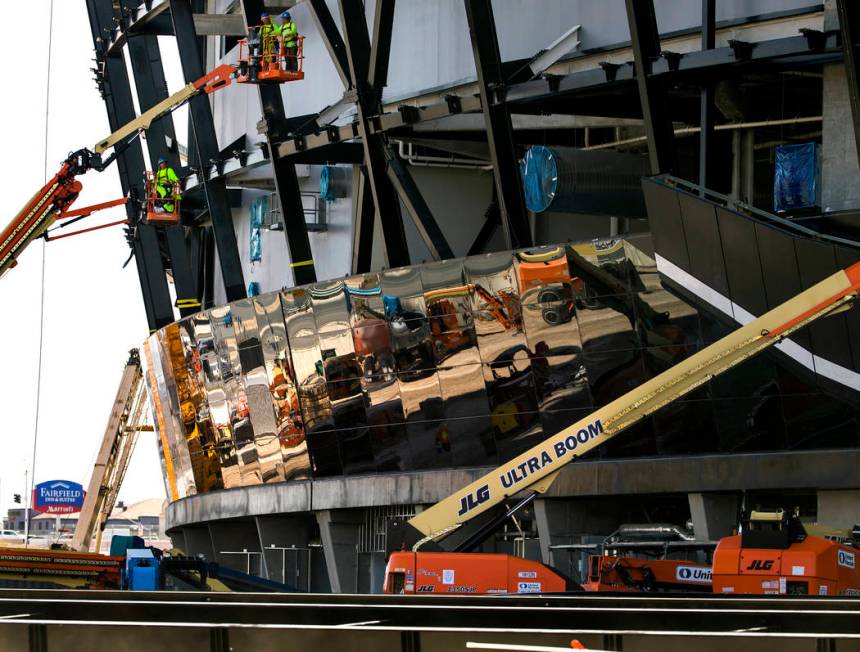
pixel 760 565
pixel 471 501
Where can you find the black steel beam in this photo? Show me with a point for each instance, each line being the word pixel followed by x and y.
pixel 357 45
pixel 380 49
pixel 206 150
pixel 150 261
pixel 417 208
pixel 492 220
pixel 707 108
pixel 187 298
pixel 645 42
pixel 849 28
pixel 131 167
pixel 332 39
pixel 284 172
pixel 497 117
pixel 364 217
pixel 145 57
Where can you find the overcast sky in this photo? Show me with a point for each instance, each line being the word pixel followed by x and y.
pixel 93 308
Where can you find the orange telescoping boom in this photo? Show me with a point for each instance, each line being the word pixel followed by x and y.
pixel 534 471
pixel 57 195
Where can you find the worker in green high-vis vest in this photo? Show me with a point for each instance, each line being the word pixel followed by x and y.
pixel 290 33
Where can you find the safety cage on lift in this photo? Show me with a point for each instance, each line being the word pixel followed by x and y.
pixel 267 59
pixel 162 209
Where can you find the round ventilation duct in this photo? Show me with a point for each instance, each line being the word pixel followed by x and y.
pixel 594 182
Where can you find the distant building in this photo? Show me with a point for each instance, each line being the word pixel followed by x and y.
pixel 143 518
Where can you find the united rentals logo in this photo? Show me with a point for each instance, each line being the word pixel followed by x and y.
pixel 693 574
pixel 845 558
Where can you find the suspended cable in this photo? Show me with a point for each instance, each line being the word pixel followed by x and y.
pixel 29 489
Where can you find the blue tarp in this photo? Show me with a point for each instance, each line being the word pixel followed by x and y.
pixel 795 177
pixel 258 211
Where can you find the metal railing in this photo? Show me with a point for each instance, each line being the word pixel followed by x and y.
pixel 313 206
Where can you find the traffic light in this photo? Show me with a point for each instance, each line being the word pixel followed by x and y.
pixel 17 498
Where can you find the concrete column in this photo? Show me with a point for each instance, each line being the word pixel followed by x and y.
pixel 339 534
pixel 565 521
pixel 237 536
pixel 177 539
pixel 198 541
pixel 290 566
pixel 714 515
pixel 839 508
pixel 840 175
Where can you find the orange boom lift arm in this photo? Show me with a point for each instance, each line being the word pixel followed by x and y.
pixel 55 198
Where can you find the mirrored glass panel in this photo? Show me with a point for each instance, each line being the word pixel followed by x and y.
pixel 313 395
pixel 171 356
pixel 289 427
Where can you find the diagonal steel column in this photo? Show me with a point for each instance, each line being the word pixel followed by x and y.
pixel 284 171
pixel 849 28
pixel 707 108
pixel 497 117
pixel 645 40
pixel 364 216
pixel 206 149
pixel 145 57
pixel 130 164
pixel 357 42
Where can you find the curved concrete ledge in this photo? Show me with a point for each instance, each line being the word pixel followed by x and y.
pixel 824 469
pixel 414 488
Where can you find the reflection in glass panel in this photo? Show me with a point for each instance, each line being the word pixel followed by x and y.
pixel 150 360
pixel 199 432
pixel 239 463
pixel 295 462
pixel 261 408
pixel 170 356
pixel 463 362
pixel 495 304
pixel 468 431
pixel 310 378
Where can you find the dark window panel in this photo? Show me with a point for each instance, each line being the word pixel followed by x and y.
pixel 743 265
pixel 667 226
pixel 703 242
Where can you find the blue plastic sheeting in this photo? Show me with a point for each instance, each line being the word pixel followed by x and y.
pixel 795 177
pixel 253 289
pixel 539 172
pixel 258 211
pixel 326 185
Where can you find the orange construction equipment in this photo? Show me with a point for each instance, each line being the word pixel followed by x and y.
pixel 266 60
pixel 459 573
pixel 774 554
pixel 633 575
pixel 157 212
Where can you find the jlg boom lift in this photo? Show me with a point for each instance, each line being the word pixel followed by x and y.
pixel 411 570
pixel 53 200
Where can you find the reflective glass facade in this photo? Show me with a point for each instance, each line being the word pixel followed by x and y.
pixel 458 363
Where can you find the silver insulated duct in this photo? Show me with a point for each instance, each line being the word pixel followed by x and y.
pixel 594 182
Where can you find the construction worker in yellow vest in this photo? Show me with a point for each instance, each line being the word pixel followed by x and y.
pixel 268 34
pixel 165 186
pixel 290 33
